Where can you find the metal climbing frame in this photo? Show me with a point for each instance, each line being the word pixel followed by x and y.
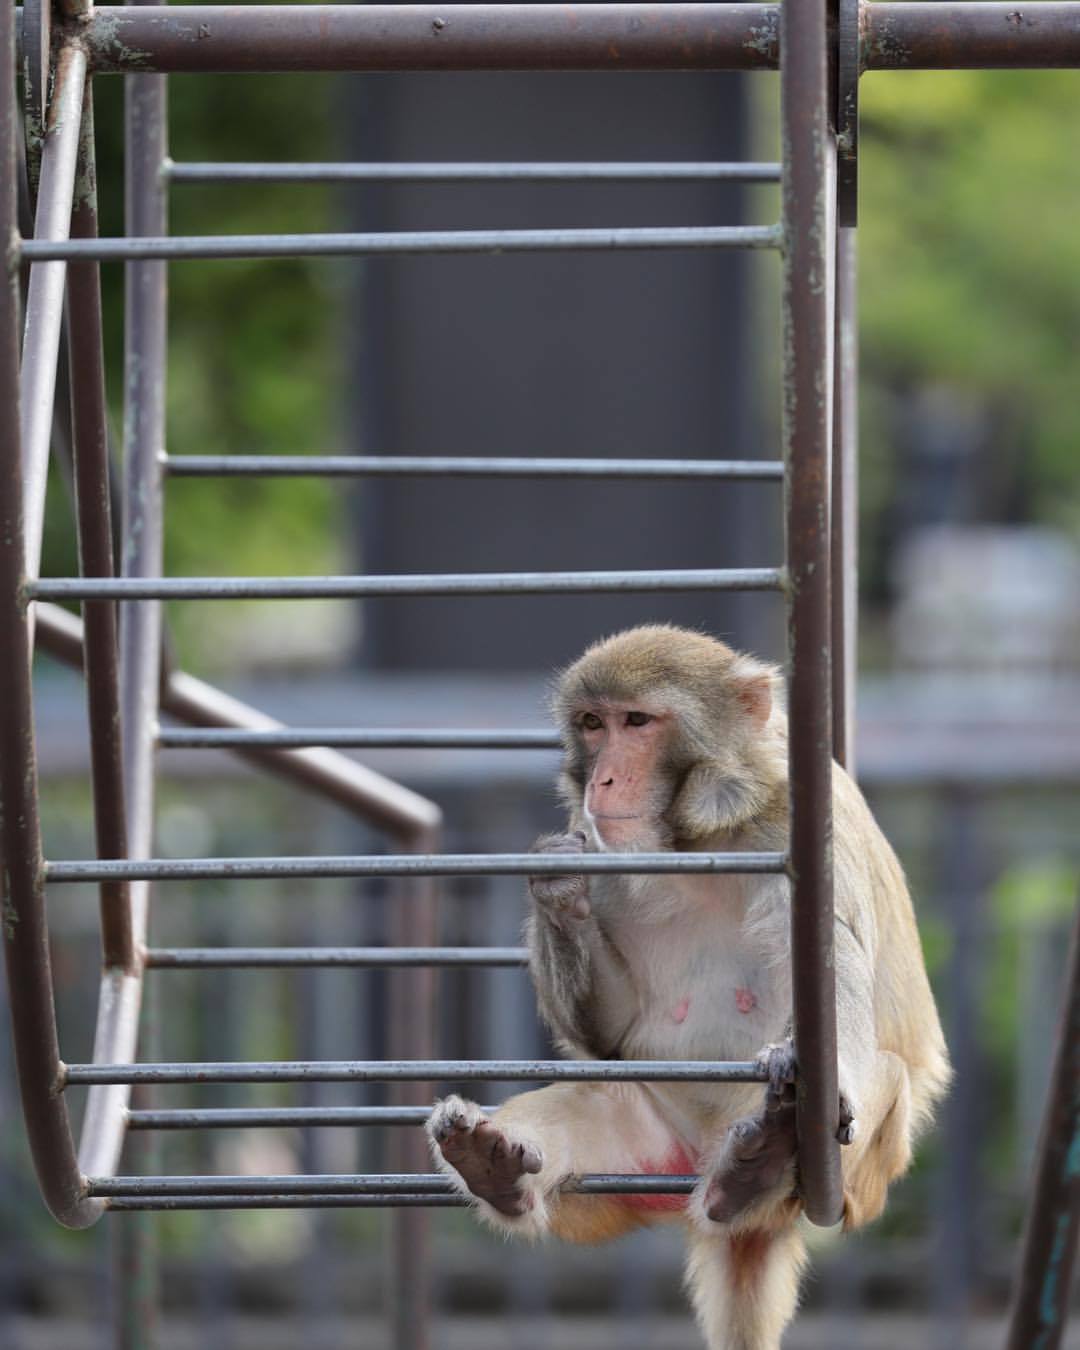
pixel 826 44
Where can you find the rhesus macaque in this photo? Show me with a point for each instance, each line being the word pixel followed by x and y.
pixel 674 741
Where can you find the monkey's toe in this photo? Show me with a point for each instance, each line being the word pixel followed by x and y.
pixel 847 1128
pixel 779 1063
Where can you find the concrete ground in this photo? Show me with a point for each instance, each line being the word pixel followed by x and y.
pixel 809 1332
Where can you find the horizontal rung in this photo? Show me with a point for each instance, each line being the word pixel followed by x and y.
pixel 397 1183
pixel 424 1070
pixel 195 958
pixel 279 1117
pixel 417 865
pixel 466 466
pixel 473 172
pixel 215 738
pixel 464 583
pixel 616 239
pixel 285 1202
pixel 137 1203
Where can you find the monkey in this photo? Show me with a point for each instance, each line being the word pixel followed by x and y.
pixel 674 741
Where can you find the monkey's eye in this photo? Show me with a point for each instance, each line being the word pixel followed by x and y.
pixel 591 722
pixel 637 719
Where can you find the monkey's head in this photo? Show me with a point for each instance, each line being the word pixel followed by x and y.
pixel 671 738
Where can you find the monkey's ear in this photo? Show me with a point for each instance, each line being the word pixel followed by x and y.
pixel 754 685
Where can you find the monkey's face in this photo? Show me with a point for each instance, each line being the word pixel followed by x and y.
pixel 627 786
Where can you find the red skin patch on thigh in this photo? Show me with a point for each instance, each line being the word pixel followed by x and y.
pixel 677 1163
pixel 745 1000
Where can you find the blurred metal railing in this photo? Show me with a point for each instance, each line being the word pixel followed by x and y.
pixel 121 639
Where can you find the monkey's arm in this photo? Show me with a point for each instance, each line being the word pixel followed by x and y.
pixel 583 989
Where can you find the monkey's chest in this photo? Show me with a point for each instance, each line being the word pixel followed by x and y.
pixel 702 994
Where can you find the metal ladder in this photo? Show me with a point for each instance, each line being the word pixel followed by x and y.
pixel 825 49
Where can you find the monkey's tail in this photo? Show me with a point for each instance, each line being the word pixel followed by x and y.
pixel 745 1285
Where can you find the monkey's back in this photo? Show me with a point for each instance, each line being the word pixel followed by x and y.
pixel 873 901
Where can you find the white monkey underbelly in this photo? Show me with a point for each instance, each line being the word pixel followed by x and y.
pixel 704 987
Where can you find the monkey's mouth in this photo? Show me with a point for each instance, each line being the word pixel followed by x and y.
pixel 596 816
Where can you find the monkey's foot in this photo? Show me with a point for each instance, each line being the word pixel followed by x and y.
pixel 758 1151
pixel 490 1164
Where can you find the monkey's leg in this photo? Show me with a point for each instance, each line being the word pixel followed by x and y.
pixel 745 1285
pixel 514 1164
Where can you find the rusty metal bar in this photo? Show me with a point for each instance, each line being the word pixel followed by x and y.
pixel 466 583
pixel 460 466
pixel 423 1070
pixel 200 738
pixel 22 896
pixel 90 455
pixel 945 34
pixel 392 1183
pixel 845 502
pixel 970 36
pixel 280 1117
pixel 610 239
pixel 809 224
pixel 439 172
pixel 1041 1304
pixel 45 294
pixel 417 865
pixel 283 958
pixel 428 37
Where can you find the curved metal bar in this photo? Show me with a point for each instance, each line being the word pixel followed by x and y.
pixel 24 929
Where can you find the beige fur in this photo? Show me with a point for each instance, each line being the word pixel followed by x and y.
pixel 698 968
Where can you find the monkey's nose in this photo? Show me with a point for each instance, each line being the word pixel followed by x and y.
pixel 607 782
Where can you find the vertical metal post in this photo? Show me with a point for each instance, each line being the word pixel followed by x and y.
pixel 140 624
pixel 90 447
pixel 412 1036
pixel 45 293
pixel 845 501
pixel 1041 1306
pixel 22 887
pixel 809 160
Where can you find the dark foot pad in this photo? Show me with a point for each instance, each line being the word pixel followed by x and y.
pixel 489 1163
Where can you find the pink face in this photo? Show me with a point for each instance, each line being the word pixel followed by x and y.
pixel 624 796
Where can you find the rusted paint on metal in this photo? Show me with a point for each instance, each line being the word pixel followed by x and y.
pixel 809 224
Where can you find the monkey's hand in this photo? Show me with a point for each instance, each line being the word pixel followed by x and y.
pixel 561 898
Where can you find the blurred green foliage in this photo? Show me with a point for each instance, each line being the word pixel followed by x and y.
pixel 970 278
pixel 970 265
pixel 255 360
